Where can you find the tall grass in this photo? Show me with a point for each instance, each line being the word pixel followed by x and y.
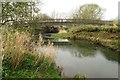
pixel 94 28
pixel 45 56
pixel 0 53
pixel 17 44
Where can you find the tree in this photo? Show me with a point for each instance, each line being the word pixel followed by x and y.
pixel 89 11
pixel 17 11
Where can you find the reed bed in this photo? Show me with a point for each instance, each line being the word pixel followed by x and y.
pixel 17 44
pixel 1 54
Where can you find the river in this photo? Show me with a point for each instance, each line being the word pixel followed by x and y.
pixel 86 58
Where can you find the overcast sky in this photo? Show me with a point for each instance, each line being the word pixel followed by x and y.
pixel 67 6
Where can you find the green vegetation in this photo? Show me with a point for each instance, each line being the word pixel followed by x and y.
pixel 105 35
pixel 93 28
pixel 61 35
pixel 27 70
pixel 18 11
pixel 22 57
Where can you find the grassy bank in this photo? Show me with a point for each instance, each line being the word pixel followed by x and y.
pixel 23 58
pixel 104 35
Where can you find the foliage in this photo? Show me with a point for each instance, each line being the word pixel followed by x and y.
pixel 22 57
pixel 91 28
pixel 27 70
pixel 17 11
pixel 89 11
pixel 104 35
pixel 86 28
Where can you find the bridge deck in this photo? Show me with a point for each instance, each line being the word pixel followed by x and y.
pixel 76 21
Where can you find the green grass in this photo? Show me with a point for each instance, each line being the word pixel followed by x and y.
pixel 93 28
pixel 27 70
pixel 61 35
pixel 105 35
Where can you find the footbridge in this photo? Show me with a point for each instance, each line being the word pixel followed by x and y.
pixel 73 22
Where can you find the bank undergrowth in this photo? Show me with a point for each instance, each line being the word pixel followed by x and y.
pixel 24 58
pixel 104 35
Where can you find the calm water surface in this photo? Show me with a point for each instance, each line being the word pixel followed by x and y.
pixel 86 58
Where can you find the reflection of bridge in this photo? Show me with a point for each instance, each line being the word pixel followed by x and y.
pixel 73 21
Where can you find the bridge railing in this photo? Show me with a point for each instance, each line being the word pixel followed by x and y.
pixel 76 21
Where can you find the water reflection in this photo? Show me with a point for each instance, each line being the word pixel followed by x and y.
pixel 87 58
pixel 110 55
pixel 86 48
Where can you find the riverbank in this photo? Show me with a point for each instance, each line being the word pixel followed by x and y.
pixel 24 58
pixel 106 36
